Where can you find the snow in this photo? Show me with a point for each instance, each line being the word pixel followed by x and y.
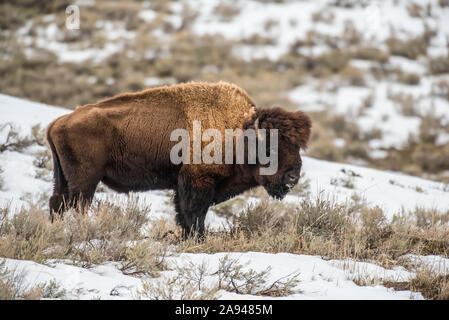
pixel 350 98
pixel 26 113
pixel 391 191
pixel 384 113
pixel 407 65
pixel 79 283
pixel 147 15
pixel 318 279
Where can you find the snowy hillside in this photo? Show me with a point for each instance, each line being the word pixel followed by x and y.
pixel 328 26
pixel 374 22
pixel 318 278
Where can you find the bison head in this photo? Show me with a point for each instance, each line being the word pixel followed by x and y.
pixel 293 135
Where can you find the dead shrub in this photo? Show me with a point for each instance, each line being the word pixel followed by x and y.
pixel 415 10
pixel 439 65
pixel 357 150
pixel 353 76
pixel 322 227
pixel 109 233
pixel 432 285
pixel 232 277
pixel 410 49
pixel 173 289
pixel 429 128
pixel 429 218
pixel 321 144
pixel 370 53
pixel 429 283
pixel 13 140
pixel 406 103
pixel 333 62
pixel 325 16
pixel 226 11
pixel 258 40
pixel 441 89
pixel 409 78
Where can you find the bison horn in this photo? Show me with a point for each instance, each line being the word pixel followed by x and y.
pixel 256 126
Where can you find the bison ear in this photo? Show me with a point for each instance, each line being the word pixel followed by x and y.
pixel 294 127
pixel 300 129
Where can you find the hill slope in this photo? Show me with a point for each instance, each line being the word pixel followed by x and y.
pixel 318 278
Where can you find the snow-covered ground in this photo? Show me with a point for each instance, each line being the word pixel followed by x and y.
pixel 319 279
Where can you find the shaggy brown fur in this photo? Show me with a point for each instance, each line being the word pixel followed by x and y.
pixel 124 141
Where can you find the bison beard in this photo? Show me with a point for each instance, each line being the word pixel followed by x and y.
pixel 124 141
pixel 277 191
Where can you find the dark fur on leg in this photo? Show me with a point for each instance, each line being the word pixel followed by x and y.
pixel 192 203
pixel 57 205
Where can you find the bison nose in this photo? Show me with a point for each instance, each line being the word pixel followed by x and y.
pixel 293 176
pixel 291 179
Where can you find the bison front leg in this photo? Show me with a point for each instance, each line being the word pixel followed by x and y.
pixel 192 200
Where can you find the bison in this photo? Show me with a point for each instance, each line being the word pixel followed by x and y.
pixel 125 142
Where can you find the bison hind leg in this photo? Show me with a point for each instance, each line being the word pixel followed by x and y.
pixel 57 204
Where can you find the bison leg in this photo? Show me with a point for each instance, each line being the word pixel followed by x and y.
pixel 192 201
pixel 81 198
pixel 57 204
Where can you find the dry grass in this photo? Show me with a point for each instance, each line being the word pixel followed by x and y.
pixel 408 78
pixel 430 284
pixel 370 53
pixel 421 155
pixel 326 16
pixel 173 289
pixel 338 231
pixel 314 227
pixel 353 76
pixel 410 49
pixel 108 233
pixel 13 287
pixel 439 65
pixel 331 230
pixel 226 11
pixel 406 104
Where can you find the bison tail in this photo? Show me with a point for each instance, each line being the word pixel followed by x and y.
pixel 57 201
